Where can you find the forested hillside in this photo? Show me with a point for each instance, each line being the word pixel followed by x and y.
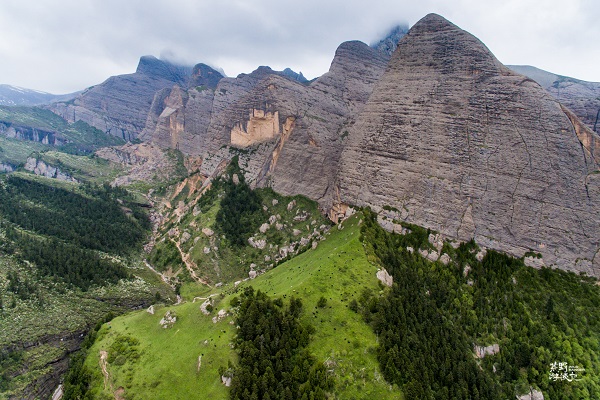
pixel 69 254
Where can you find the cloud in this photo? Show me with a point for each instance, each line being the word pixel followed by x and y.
pixel 66 45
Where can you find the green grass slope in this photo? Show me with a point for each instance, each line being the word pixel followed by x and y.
pixel 183 361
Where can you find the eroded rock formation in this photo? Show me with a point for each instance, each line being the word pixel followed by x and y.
pixel 459 143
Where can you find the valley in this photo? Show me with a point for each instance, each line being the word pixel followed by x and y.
pixel 420 222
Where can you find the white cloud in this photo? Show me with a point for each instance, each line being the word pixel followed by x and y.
pixel 66 45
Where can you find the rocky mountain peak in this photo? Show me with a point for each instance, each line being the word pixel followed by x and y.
pixel 458 143
pixel 389 43
pixel 203 75
pixel 154 67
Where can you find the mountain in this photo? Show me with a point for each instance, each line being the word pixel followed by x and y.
pixel 388 44
pixel 582 97
pixel 119 106
pixel 454 141
pixel 17 96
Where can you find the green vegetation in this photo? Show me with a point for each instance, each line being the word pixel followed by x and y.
pixel 187 360
pixel 241 211
pixel 271 344
pixel 79 137
pixel 61 270
pixel 95 222
pixel 430 321
pixel 15 152
pixel 267 228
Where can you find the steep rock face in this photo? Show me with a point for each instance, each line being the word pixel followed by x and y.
pixel 119 106
pixel 304 126
pixel 179 118
pixel 29 133
pixel 459 143
pixel 582 97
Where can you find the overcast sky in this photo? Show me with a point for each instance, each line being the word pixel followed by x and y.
pixel 62 46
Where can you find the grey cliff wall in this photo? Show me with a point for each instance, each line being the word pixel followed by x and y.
pixel 460 144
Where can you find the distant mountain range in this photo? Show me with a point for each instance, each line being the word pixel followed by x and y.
pixel 18 96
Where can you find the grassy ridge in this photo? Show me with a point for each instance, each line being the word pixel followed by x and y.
pixel 167 367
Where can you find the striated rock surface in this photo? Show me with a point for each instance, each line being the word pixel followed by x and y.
pixel 463 145
pixel 119 106
pixel 582 97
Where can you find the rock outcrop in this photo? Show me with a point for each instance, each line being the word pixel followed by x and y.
pixel 39 167
pixel 582 97
pixel 462 145
pixel 30 133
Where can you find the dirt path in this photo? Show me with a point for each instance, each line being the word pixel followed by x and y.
pixel 163 277
pixel 190 265
pixel 103 357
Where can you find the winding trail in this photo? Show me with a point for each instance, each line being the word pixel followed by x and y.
pixel 190 265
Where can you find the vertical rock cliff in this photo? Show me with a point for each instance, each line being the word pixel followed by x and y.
pixel 459 143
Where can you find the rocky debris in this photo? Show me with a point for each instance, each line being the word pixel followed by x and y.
pixel 436 240
pixel 431 255
pixel 274 202
pixel 466 270
pixel 168 320
pixel 173 232
pixel 272 219
pixel 296 232
pixel 482 351
pixel 420 143
pixel 150 310
pixel 278 226
pixel 263 228
pixel 301 216
pixel 480 254
pixel 385 277
pixel 410 249
pixel 185 236
pixel 445 259
pixel 220 315
pixel 4 167
pixel 304 241
pixel 226 380
pixel 257 243
pixel 206 250
pixel 39 167
pixel 208 232
pixel 145 162
pixel 533 394
pixel 315 244
pixel 267 258
pixel 390 226
pixel 534 262
pixel 291 205
pixel 252 274
pixel 204 306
